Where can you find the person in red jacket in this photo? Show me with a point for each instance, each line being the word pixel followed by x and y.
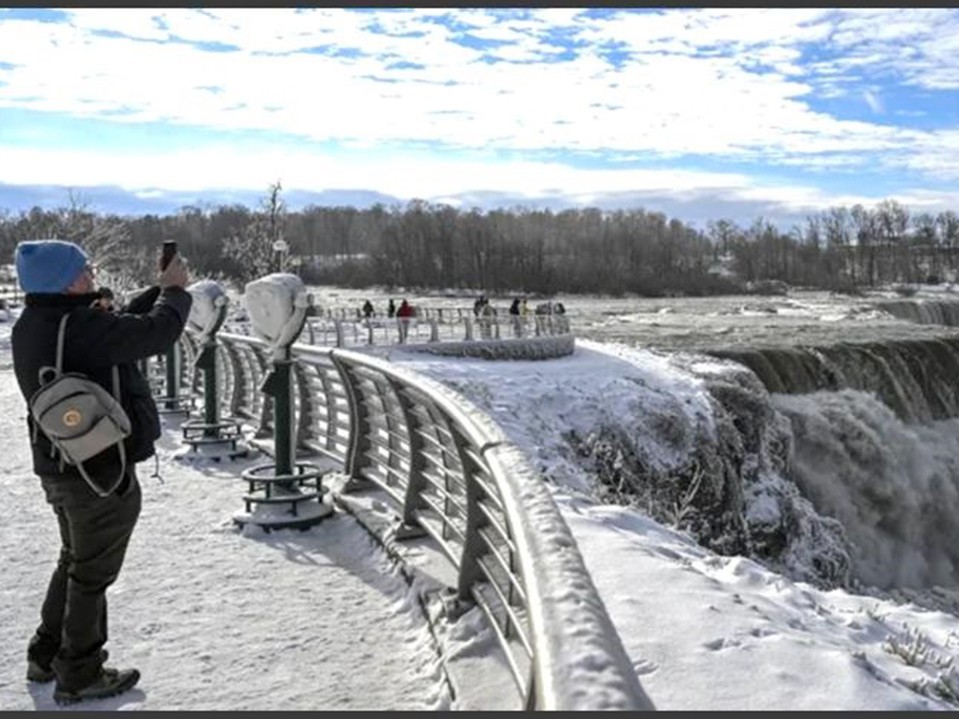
pixel 405 310
pixel 403 316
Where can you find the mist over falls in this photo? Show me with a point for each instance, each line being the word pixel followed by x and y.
pixel 835 464
pixel 893 486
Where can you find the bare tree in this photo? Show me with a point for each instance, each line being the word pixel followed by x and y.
pixel 250 248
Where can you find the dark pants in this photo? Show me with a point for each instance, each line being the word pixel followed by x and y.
pixel 94 534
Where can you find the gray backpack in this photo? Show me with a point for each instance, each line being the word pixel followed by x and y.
pixel 78 416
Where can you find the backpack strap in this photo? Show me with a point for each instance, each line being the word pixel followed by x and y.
pixel 123 471
pixel 57 368
pixel 61 333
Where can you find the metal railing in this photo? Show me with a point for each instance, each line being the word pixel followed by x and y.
pixel 430 326
pixel 453 475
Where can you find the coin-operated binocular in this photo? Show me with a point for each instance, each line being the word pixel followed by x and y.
pixel 278 305
pixel 210 436
pixel 208 311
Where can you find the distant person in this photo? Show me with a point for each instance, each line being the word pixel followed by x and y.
pixel 563 323
pixel 95 530
pixel 480 303
pixel 514 312
pixel 391 309
pixel 487 316
pixel 523 307
pixel 406 310
pixel 367 309
pixel 404 314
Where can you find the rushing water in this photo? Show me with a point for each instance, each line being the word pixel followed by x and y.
pixel 853 408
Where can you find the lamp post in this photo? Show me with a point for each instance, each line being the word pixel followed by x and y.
pixel 281 248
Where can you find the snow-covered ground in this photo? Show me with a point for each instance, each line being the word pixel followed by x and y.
pixel 222 619
pixel 218 618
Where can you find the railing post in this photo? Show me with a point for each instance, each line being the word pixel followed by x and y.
pixel 172 377
pixel 434 330
pixel 357 458
pixel 468 326
pixel 330 406
pixel 338 326
pixel 238 373
pixel 416 483
pixel 470 569
pixel 171 402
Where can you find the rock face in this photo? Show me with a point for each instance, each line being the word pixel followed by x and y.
pixel 735 494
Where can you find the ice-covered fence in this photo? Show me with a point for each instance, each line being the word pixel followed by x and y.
pixel 433 326
pixel 453 475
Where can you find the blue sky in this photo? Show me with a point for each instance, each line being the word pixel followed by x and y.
pixel 696 112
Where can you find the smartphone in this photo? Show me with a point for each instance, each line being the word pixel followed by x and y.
pixel 169 249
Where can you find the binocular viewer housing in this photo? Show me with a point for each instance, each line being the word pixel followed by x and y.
pixel 277 305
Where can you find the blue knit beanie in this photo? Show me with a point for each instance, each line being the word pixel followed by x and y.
pixel 48 265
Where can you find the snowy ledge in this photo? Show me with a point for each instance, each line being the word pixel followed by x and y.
pixel 533 348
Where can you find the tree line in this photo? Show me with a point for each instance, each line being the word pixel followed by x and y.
pixel 536 251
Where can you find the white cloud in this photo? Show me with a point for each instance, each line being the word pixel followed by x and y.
pixel 401 174
pixel 733 84
pixel 874 102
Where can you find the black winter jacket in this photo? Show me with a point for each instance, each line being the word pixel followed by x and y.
pixel 95 341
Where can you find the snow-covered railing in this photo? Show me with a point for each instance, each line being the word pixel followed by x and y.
pixel 432 327
pixel 453 475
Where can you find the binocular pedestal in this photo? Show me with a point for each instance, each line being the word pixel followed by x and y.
pixel 286 493
pixel 211 436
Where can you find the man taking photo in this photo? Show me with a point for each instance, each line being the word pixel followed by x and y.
pixel 57 279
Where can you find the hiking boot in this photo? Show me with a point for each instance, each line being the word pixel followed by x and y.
pixel 36 672
pixel 43 673
pixel 110 683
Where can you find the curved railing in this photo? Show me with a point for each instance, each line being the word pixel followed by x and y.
pixel 429 326
pixel 453 475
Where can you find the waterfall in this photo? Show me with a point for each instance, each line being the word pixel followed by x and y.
pixel 918 379
pixel 923 311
